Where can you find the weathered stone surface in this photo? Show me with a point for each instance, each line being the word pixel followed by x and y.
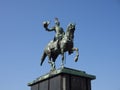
pixel 64 78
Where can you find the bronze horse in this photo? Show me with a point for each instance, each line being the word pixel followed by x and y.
pixel 53 49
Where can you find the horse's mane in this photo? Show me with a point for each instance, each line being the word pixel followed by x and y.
pixel 68 32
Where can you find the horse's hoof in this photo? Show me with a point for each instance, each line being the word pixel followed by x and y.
pixel 62 65
pixel 76 59
pixel 53 69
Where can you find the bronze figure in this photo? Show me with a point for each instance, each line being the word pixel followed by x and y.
pixel 62 42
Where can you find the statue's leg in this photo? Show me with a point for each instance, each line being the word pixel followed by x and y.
pixel 62 54
pixel 52 64
pixel 77 54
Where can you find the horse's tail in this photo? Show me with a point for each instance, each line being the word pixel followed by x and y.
pixel 43 58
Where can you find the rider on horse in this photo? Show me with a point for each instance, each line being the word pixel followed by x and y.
pixel 58 30
pixel 59 46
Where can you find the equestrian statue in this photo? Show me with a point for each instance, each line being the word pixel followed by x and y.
pixel 61 43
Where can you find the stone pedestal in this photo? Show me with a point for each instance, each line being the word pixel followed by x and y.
pixel 63 79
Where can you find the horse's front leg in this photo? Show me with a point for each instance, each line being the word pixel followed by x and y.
pixel 77 53
pixel 62 54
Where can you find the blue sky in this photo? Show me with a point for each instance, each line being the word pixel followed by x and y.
pixel 23 38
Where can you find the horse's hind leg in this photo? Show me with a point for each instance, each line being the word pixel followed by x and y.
pixel 52 64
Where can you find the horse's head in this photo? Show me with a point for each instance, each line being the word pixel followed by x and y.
pixel 71 26
pixel 70 31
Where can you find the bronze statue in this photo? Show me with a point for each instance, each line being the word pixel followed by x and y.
pixel 63 42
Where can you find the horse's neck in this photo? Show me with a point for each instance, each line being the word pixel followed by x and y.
pixel 69 35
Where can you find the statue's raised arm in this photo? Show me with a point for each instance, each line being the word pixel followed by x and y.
pixel 45 25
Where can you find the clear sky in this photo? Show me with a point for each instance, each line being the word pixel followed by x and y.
pixel 23 38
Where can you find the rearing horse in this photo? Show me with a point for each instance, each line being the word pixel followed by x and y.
pixel 53 49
